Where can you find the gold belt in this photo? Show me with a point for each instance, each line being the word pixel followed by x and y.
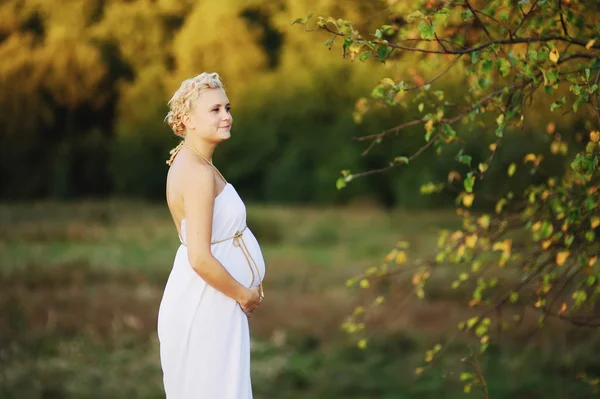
pixel 238 241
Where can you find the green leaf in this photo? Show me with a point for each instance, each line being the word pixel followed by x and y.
pixel 383 51
pixel 340 183
pixel 469 182
pixel 364 56
pixel 427 31
pixel 503 66
pixel 414 15
pixel 450 132
pixel 401 159
pixel 487 66
pixel 512 169
pixel 552 77
pixel 475 57
pixel 466 159
pixel 557 104
pixel 590 235
pixel 303 21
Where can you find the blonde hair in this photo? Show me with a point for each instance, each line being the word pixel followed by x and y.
pixel 183 100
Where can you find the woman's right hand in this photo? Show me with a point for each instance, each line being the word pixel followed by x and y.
pixel 251 301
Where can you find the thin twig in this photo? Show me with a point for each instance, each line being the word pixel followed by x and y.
pixel 510 33
pixel 515 40
pixel 562 18
pixel 436 77
pixel 597 107
pixel 525 16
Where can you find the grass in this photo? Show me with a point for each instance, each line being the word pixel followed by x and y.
pixel 80 285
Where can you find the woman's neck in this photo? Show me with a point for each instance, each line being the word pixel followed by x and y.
pixel 201 146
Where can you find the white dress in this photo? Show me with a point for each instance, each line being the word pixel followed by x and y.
pixel 204 335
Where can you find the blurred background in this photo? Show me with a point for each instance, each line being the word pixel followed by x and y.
pixel 86 241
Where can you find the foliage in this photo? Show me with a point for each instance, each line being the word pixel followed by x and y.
pixel 532 248
pixel 85 86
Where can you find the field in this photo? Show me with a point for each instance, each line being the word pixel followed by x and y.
pixel 80 285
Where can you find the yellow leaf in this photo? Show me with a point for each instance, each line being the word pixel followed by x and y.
pixel 592 261
pixel 546 244
pixel 493 147
pixel 473 302
pixel 590 44
pixel 499 246
pixel 389 257
pixel 563 307
pixel 379 300
pixel 457 235
pixel 359 310
pixel 460 252
pixel 468 200
pixel 471 241
pixel 536 226
pixel 429 125
pixel 595 222
pixel 364 283
pixel 545 195
pixel 529 157
pixel 561 257
pixel 454 175
pixel 554 55
pixel 595 136
pixel 484 221
pixel 401 258
pixel 416 279
pixel 403 244
pixel 484 339
pixel 362 344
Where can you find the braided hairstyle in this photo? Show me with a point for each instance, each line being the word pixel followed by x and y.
pixel 182 101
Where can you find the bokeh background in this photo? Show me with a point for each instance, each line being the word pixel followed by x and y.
pixel 86 241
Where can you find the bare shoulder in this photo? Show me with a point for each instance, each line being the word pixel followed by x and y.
pixel 198 179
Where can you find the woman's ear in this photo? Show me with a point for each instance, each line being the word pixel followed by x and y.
pixel 187 121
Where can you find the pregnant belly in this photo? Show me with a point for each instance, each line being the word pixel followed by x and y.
pixel 245 262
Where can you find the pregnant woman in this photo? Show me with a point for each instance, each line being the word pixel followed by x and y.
pixel 216 279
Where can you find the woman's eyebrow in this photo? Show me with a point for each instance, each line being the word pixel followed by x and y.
pixel 218 105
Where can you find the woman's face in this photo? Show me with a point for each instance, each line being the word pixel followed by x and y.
pixel 210 116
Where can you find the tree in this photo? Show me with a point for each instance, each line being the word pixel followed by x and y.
pixel 533 247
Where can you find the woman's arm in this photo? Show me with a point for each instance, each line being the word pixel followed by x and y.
pixel 198 200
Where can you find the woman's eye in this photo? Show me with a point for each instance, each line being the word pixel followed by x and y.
pixel 216 109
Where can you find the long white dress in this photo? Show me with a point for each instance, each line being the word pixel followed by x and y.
pixel 204 335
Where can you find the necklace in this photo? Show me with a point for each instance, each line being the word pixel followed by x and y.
pixel 207 161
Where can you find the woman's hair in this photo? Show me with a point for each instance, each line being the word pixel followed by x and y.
pixel 182 102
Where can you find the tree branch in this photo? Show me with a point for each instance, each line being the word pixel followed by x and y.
pixel 525 16
pixel 514 40
pixel 436 77
pixel 562 18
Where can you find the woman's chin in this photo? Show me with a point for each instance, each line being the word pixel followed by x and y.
pixel 224 134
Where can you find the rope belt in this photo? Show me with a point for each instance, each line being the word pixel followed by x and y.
pixel 238 241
